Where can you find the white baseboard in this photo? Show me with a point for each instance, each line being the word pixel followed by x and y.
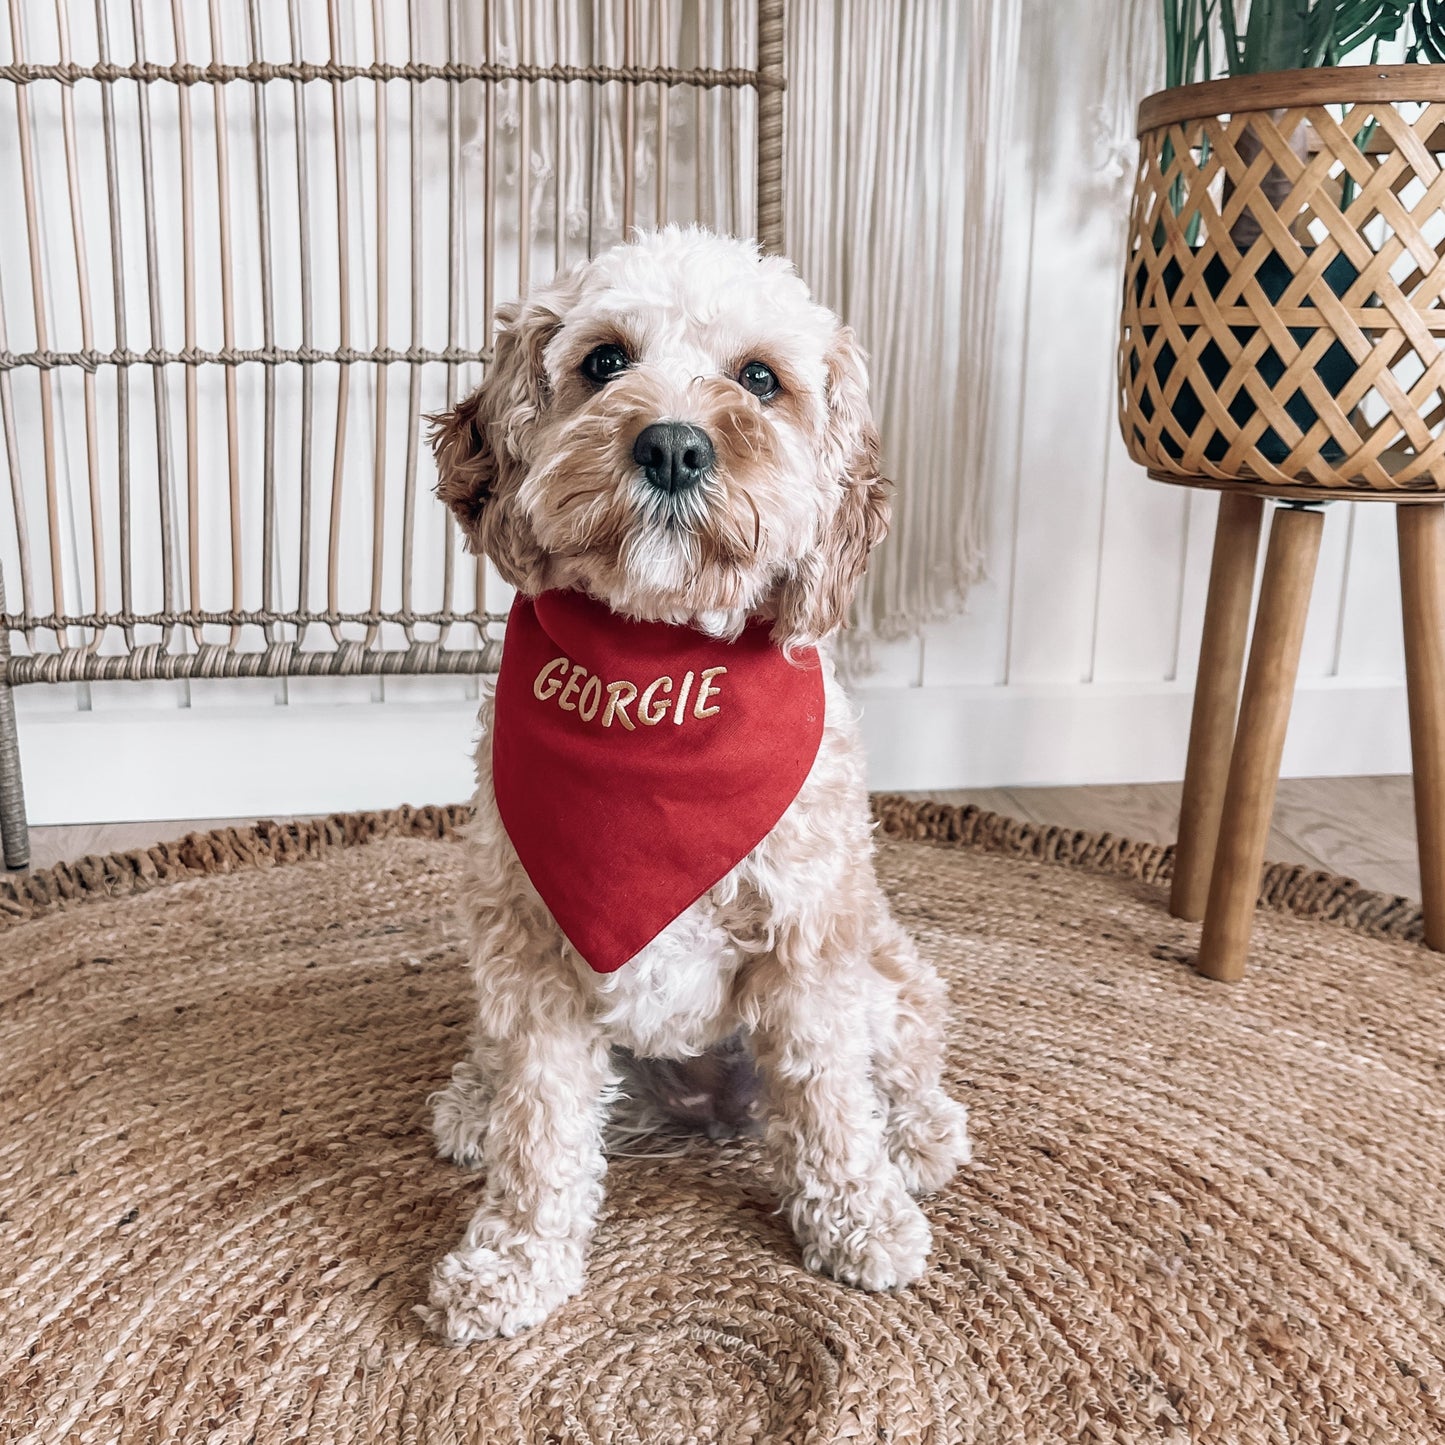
pixel 249 761
pixel 1048 736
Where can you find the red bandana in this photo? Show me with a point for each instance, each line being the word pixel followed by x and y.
pixel 637 763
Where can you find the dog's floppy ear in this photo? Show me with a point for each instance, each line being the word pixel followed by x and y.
pixel 481 445
pixel 466 463
pixel 815 598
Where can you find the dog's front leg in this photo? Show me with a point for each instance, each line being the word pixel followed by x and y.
pixel 525 1249
pixel 846 1200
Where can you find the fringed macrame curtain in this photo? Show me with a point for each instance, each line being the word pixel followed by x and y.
pixel 702 141
pixel 899 122
pixel 1135 69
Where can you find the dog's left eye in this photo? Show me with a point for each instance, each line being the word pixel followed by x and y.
pixel 759 379
pixel 602 363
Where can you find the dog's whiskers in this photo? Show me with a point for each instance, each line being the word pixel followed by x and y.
pixel 757 519
pixel 744 438
pixel 589 492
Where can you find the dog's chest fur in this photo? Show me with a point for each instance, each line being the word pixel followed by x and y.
pixel 675 997
pixel 678 996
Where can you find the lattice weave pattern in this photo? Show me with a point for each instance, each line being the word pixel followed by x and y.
pixel 1282 313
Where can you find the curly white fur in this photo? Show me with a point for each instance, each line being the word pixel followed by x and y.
pixel 796 946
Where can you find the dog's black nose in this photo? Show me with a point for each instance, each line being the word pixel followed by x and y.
pixel 673 455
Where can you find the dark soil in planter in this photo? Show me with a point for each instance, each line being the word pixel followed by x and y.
pixel 1334 368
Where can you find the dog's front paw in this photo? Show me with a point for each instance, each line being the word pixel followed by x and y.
pixel 928 1140
pixel 460 1114
pixel 874 1239
pixel 478 1293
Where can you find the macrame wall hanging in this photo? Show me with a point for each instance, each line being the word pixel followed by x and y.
pixel 693 147
pixel 898 130
pixel 893 214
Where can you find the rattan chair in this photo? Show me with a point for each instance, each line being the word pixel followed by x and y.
pixel 343 319
pixel 1281 339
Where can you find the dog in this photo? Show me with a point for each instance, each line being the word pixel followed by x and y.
pixel 673 443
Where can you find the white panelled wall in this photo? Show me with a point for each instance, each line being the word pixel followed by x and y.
pixel 1073 662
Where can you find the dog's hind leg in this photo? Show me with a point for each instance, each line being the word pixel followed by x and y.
pixel 461 1111
pixel 926 1131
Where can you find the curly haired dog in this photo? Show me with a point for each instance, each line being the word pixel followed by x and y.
pixel 769 514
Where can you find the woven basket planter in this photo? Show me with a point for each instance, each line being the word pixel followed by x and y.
pixel 1282 314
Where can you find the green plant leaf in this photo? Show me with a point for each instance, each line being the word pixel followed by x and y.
pixel 1277 35
pixel 1427 31
pixel 1292 34
pixel 1233 54
pixel 1352 25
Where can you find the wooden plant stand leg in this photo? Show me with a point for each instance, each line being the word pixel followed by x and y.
pixel 1279 628
pixel 1216 698
pixel 1422 594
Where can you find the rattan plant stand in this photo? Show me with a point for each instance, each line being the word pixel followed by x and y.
pixel 139 587
pixel 1281 341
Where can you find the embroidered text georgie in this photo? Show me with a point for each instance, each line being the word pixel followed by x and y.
pixel 579 691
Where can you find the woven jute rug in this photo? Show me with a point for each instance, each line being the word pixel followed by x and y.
pixel 1199 1212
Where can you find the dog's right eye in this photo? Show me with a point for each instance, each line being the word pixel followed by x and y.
pixel 602 363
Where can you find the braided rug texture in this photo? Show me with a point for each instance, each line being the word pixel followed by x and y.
pixel 1198 1213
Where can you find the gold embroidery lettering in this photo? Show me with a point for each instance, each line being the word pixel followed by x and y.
pixel 592 688
pixel 645 708
pixel 617 705
pixel 680 711
pixel 574 689
pixel 574 686
pixel 705 690
pixel 546 685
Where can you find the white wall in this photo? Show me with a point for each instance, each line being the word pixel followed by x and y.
pixel 1073 662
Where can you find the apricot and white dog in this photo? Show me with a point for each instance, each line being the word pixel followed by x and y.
pixel 796 947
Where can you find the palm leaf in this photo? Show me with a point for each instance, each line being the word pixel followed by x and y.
pixel 1294 34
pixel 1427 26
pixel 1359 23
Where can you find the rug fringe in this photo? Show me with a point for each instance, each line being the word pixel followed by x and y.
pixel 1285 888
pixel 266 844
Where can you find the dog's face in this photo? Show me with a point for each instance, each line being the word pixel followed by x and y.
pixel 676 428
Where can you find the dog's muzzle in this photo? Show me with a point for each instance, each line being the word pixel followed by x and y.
pixel 674 456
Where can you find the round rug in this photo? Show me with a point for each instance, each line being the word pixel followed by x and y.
pixel 1199 1212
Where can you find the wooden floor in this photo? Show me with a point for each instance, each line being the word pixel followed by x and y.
pixel 1361 827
